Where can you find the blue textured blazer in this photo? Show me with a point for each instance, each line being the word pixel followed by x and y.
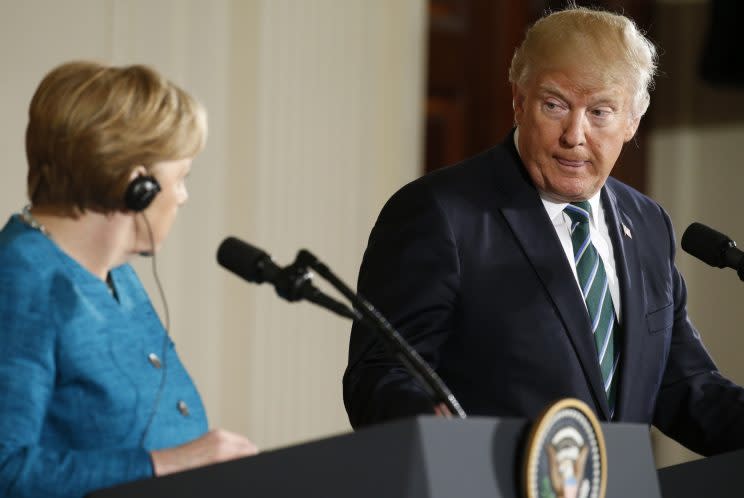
pixel 466 264
pixel 79 384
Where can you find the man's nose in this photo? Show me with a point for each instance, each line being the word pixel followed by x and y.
pixel 573 130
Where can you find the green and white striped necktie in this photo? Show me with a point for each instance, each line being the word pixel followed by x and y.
pixel 596 292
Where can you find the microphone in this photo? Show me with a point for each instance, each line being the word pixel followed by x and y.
pixel 246 261
pixel 293 282
pixel 713 248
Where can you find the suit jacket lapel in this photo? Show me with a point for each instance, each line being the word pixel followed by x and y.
pixel 526 216
pixel 630 279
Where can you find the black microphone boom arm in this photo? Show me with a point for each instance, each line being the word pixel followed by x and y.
pixel 373 319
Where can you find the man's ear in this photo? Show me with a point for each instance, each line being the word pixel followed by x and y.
pixel 517 103
pixel 631 128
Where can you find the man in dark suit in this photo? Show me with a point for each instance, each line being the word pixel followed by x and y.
pixel 526 274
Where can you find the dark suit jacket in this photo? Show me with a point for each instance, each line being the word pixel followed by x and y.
pixel 466 264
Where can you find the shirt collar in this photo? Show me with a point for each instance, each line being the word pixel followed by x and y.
pixel 555 208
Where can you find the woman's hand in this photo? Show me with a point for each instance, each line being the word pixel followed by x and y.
pixel 215 446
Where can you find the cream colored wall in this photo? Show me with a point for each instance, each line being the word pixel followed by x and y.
pixel 697 174
pixel 314 121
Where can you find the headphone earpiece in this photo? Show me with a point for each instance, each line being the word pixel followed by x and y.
pixel 140 193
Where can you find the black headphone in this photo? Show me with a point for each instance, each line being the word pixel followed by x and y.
pixel 140 193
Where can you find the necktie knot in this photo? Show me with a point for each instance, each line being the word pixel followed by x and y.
pixel 579 212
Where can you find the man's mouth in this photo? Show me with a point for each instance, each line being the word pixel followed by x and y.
pixel 571 163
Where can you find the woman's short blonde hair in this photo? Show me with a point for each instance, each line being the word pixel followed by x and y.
pixel 605 46
pixel 90 125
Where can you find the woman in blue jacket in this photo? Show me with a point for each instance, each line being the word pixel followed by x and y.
pixel 92 392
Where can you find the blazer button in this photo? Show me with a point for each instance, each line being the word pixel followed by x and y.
pixel 183 408
pixel 154 360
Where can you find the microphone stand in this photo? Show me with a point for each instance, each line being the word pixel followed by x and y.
pixel 295 284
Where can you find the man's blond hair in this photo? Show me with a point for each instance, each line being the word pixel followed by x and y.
pixel 608 48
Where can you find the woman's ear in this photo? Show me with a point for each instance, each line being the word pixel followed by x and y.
pixel 138 170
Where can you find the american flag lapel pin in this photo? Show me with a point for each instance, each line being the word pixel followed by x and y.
pixel 626 231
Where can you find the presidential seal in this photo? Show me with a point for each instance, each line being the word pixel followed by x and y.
pixel 565 455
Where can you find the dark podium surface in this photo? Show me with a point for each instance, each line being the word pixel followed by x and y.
pixel 423 457
pixel 713 477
